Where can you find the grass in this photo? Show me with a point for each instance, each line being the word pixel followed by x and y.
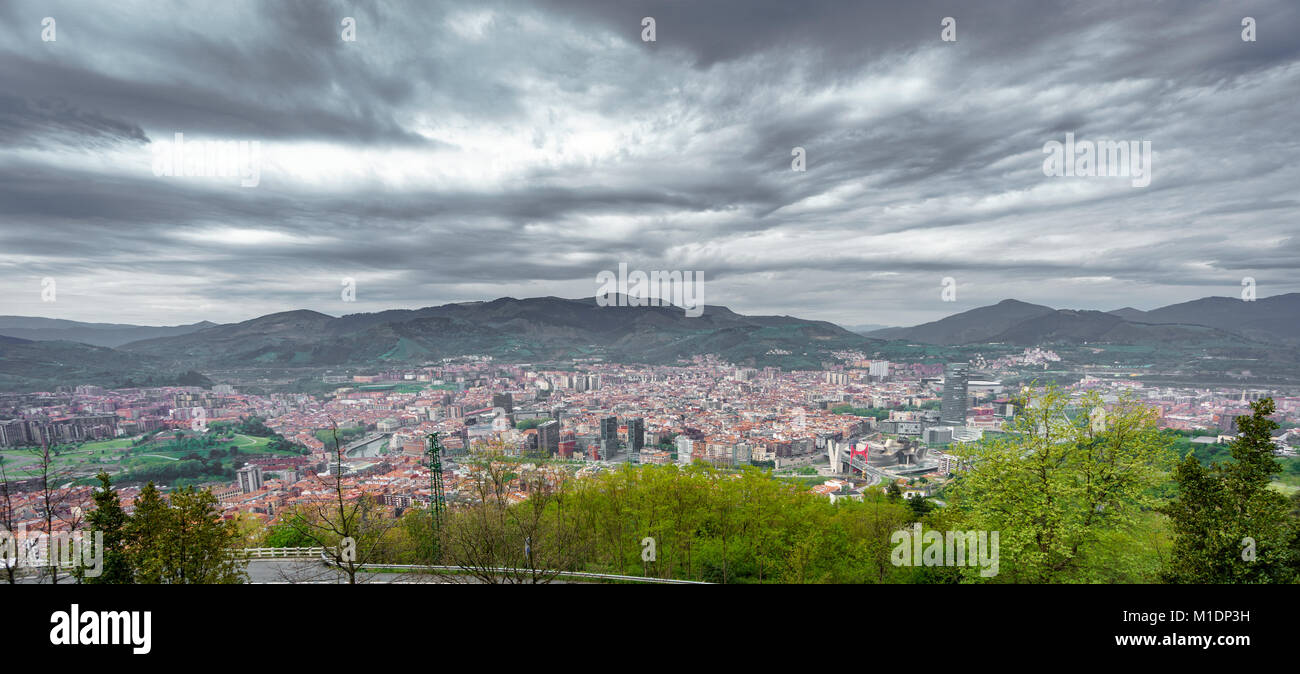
pixel 1283 487
pixel 70 458
pixel 251 443
pixel 91 457
pixel 116 443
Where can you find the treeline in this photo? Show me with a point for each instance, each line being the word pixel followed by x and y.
pixel 881 413
pixel 708 525
pixel 178 538
pixel 187 378
pixel 877 413
pixel 250 425
pixel 1208 453
pixel 174 472
pixel 191 443
pixel 705 524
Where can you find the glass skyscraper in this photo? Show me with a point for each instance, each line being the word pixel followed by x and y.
pixel 953 410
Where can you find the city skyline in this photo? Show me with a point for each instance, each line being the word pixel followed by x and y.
pixel 468 151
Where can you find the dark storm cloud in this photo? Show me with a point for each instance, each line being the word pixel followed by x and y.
pixel 466 150
pixel 25 123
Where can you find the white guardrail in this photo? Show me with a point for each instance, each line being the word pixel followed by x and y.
pixel 279 553
pixel 308 553
pixel 515 571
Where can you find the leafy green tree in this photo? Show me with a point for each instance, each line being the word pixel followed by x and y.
pixel 493 533
pixel 145 533
pixel 413 540
pixel 1062 480
pixel 722 526
pixel 110 520
pixel 920 507
pixel 198 541
pixel 1229 527
pixel 289 533
pixel 868 526
pixel 184 541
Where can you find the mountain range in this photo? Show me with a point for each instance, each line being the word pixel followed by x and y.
pixel 96 334
pixel 519 330
pixel 540 328
pixel 1270 320
pixel 38 352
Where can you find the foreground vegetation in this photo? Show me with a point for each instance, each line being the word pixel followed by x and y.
pixel 171 539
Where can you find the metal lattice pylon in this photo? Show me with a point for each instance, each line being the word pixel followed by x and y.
pixel 437 496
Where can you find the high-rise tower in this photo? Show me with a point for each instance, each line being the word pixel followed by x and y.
pixel 953 410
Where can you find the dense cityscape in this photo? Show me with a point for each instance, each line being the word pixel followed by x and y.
pixel 586 418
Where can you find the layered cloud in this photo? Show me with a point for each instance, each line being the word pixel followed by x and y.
pixel 466 151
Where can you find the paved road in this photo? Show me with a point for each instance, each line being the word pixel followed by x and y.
pixel 312 571
pixel 41 578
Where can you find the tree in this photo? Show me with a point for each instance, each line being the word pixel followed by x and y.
pixel 197 542
pixel 1059 482
pixel 54 503
pixel 495 541
pixel 8 528
pixel 145 535
pixel 288 533
pixel 873 522
pixel 184 541
pixel 110 521
pixel 1229 526
pixel 351 528
pixel 920 507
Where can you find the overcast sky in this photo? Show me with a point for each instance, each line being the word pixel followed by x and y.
pixel 471 150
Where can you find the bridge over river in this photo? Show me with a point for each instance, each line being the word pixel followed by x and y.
pixel 366 447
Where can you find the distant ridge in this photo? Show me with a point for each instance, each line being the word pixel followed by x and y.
pixel 538 328
pixel 1129 314
pixel 95 334
pixel 1271 320
pixel 544 329
pixel 968 327
pixel 867 327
